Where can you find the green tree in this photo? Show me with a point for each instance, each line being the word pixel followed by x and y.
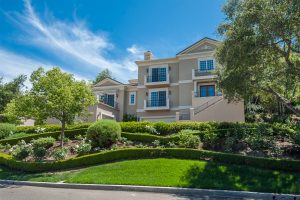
pixel 54 94
pixel 260 52
pixel 10 90
pixel 106 73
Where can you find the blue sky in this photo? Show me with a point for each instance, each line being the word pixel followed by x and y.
pixel 85 36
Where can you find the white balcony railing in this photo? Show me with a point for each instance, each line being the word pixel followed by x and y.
pixel 203 74
pixel 156 105
pixel 157 80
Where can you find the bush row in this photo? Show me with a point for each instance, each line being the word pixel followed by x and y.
pixel 50 127
pixel 68 133
pixel 165 128
pixel 122 154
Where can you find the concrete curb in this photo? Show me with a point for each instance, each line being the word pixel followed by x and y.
pixel 170 190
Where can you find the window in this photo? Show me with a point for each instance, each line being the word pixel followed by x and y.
pixel 206 65
pixel 158 98
pixel 159 74
pixel 207 90
pixel 108 99
pixel 132 98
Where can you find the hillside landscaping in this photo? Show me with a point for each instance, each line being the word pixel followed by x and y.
pixel 189 154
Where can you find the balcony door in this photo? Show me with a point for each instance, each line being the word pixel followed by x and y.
pixel 207 90
pixel 158 99
pixel 159 74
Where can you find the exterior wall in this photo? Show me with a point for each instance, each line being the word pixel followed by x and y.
pixel 130 109
pixel 185 91
pixel 223 111
pixel 185 69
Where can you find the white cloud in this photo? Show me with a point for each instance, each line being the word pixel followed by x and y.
pixel 13 65
pixel 74 43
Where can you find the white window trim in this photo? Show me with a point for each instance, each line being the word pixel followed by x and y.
pixel 158 66
pixel 132 93
pixel 207 58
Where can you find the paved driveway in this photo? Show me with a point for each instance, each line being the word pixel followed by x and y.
pixel 14 192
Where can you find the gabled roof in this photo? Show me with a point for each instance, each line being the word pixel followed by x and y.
pixel 110 81
pixel 197 44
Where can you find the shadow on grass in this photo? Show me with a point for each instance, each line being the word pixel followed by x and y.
pixel 233 177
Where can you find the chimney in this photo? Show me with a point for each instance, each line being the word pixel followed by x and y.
pixel 148 55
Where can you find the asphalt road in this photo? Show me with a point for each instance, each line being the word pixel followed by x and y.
pixel 13 192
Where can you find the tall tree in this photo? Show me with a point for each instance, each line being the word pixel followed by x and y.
pixel 10 90
pixel 261 48
pixel 54 94
pixel 106 73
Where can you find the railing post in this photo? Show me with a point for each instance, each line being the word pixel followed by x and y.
pixel 192 114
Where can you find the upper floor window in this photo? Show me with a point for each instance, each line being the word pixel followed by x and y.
pixel 132 98
pixel 158 74
pixel 206 65
pixel 207 90
pixel 158 98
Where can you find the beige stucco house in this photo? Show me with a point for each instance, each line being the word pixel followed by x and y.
pixel 181 88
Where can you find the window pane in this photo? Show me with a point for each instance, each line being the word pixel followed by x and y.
pixel 155 75
pixel 162 98
pixel 132 99
pixel 202 65
pixel 211 90
pixel 162 74
pixel 154 99
pixel 111 100
pixel 210 64
pixel 203 91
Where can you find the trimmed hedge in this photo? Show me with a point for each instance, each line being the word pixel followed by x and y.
pixel 146 137
pixel 50 127
pixel 134 153
pixel 68 133
pixel 165 128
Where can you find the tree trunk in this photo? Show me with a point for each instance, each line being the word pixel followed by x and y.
pixel 284 101
pixel 62 134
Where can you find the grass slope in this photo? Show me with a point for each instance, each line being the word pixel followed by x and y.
pixel 173 172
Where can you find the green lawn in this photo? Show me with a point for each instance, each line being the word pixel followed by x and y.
pixel 173 172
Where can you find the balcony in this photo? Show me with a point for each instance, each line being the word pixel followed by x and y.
pixel 203 74
pixel 157 104
pixel 198 94
pixel 157 80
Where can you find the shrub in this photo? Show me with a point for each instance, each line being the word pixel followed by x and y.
pixel 129 118
pixel 104 133
pixel 7 130
pixel 39 152
pixel 46 142
pixel 156 143
pixel 260 142
pixel 21 150
pixel 40 130
pixel 152 130
pixel 83 148
pixel 60 154
pixel 188 140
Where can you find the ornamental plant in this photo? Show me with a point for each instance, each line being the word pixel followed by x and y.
pixel 104 133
